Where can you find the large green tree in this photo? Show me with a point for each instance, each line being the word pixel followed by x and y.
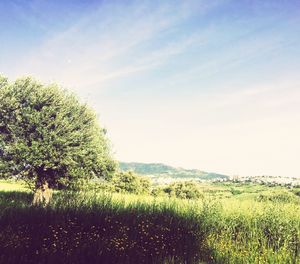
pixel 48 137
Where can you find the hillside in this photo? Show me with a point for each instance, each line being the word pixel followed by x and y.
pixel 162 171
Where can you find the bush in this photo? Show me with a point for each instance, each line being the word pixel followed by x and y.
pixel 128 182
pixel 184 190
pixel 280 197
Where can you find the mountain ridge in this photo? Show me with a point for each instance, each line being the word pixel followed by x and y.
pixel 166 171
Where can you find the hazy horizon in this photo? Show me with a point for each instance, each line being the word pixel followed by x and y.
pixel 210 85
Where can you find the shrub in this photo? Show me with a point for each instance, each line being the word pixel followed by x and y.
pixel 184 190
pixel 128 182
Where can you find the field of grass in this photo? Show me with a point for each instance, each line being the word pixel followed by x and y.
pixel 250 224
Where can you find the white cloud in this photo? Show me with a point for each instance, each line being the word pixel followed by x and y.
pixel 107 44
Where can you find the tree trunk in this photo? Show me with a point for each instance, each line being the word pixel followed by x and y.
pixel 42 195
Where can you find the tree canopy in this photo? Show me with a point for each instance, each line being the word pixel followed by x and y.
pixel 128 181
pixel 184 190
pixel 48 135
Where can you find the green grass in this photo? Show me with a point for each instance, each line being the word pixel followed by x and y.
pixel 117 228
pixel 12 185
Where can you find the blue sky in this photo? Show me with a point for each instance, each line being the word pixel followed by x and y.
pixel 213 85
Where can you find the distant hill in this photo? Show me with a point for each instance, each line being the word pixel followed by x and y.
pixel 159 170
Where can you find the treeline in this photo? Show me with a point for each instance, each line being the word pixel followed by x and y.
pixel 128 182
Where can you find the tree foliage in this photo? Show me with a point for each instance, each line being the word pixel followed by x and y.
pixel 47 135
pixel 183 190
pixel 128 182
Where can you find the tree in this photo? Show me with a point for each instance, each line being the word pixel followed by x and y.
pixel 184 190
pixel 128 182
pixel 48 137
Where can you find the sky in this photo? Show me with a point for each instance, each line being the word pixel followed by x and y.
pixel 213 85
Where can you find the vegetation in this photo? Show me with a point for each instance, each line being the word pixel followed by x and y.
pixel 48 137
pixel 183 190
pixel 129 182
pixel 120 182
pixel 93 227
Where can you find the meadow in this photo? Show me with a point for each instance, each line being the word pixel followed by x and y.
pixel 231 223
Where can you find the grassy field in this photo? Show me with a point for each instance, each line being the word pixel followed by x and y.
pixel 233 223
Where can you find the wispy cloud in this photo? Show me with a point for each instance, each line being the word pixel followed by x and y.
pixel 111 42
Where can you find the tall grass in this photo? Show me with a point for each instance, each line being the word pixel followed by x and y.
pixel 116 228
pixel 100 228
pixel 252 232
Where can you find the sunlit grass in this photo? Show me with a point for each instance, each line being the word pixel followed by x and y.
pixel 12 185
pixel 93 227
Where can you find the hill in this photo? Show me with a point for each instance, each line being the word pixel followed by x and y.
pixel 169 173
